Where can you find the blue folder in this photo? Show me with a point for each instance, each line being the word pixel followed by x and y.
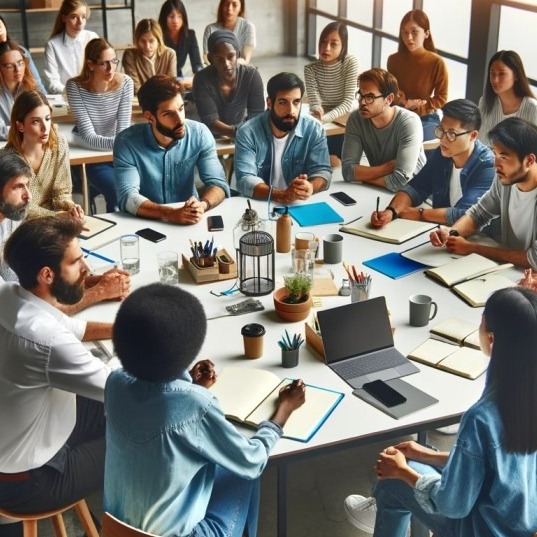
pixel 394 265
pixel 314 214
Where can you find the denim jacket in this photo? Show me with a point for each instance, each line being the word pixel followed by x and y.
pixel 434 178
pixel 145 171
pixel 163 443
pixel 489 491
pixel 306 151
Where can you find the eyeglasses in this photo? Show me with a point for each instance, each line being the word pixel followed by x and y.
pixel 451 135
pixel 368 98
pixel 108 64
pixel 13 66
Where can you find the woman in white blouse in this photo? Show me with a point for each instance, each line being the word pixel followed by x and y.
pixel 64 52
pixel 507 93
pixel 101 101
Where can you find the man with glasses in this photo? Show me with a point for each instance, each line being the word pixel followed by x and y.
pixel 512 197
pixel 390 136
pixel 456 175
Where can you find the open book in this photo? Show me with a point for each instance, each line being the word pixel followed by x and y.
pixel 463 361
pixel 457 331
pixel 250 396
pixel 93 225
pixel 396 232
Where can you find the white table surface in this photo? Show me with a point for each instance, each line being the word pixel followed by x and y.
pixel 353 422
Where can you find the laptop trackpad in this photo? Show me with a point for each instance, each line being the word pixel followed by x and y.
pixel 386 374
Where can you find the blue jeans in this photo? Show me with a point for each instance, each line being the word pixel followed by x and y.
pixel 396 503
pixel 233 509
pixel 101 177
pixel 429 123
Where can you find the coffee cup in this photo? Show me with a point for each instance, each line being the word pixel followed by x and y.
pixel 333 248
pixel 420 310
pixel 252 335
pixel 303 240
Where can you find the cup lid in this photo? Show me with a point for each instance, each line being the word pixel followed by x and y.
pixel 253 330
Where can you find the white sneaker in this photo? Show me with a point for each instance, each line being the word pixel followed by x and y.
pixel 361 512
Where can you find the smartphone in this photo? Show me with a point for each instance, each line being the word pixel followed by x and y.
pixel 151 234
pixel 343 198
pixel 384 393
pixel 215 223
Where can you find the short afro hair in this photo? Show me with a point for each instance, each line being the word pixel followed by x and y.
pixel 158 332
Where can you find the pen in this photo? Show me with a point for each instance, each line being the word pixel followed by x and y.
pixel 102 245
pixel 98 256
pixel 378 204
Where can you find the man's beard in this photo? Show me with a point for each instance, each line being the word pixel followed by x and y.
pixel 13 212
pixel 279 122
pixel 170 133
pixel 67 293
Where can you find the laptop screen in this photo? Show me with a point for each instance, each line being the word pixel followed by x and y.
pixel 355 329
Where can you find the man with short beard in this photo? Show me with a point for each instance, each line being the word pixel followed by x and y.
pixel 282 154
pixel 15 175
pixel 154 162
pixel 51 386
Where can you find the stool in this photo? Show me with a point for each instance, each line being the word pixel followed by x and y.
pixel 29 521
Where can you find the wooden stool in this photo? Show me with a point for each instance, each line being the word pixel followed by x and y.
pixel 29 521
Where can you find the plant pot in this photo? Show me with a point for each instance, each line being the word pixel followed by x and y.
pixel 290 312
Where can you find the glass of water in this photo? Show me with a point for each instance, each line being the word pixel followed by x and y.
pixel 168 267
pixel 130 253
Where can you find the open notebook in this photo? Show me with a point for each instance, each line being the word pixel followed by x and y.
pixel 250 396
pixel 396 232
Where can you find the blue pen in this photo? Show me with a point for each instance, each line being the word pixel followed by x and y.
pixel 98 256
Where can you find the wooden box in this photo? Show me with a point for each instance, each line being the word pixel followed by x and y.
pixel 215 273
pixel 38 4
pixel 314 342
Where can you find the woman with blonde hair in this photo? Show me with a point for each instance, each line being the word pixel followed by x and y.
pixel 150 56
pixel 507 93
pixel 34 138
pixel 64 51
pixel 101 101
pixel 15 77
pixel 421 73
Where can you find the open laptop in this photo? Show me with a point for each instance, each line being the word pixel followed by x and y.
pixel 358 343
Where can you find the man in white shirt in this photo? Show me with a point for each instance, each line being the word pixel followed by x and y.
pixel 51 386
pixel 15 175
pixel 282 154
pixel 512 197
pixel 390 136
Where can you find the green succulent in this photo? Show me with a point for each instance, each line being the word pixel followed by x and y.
pixel 298 285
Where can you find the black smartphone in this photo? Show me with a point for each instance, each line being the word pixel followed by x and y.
pixel 151 234
pixel 343 198
pixel 384 393
pixel 215 223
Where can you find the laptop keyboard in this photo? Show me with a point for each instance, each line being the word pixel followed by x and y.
pixel 369 364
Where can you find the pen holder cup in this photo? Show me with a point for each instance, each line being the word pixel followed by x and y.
pixel 290 358
pixel 224 263
pixel 360 291
pixel 203 262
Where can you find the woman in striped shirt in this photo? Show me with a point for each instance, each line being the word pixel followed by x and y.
pixel 36 140
pixel 331 80
pixel 507 93
pixel 101 102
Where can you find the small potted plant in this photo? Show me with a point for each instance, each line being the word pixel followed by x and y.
pixel 293 302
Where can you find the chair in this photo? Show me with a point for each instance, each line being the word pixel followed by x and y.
pixel 29 521
pixel 112 527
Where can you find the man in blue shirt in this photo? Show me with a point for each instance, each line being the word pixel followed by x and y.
pixel 282 154
pixel 456 175
pixel 154 162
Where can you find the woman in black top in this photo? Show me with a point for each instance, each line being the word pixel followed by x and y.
pixel 174 23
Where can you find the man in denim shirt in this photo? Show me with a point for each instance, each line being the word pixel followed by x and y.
pixel 174 465
pixel 456 175
pixel 282 154
pixel 154 162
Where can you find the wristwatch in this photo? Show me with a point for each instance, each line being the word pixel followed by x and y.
pixel 395 216
pixel 453 233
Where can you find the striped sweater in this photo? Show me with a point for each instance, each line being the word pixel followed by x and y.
pixel 332 87
pixel 100 116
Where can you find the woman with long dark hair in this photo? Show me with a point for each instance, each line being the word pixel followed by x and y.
pixel 507 93
pixel 421 73
pixel 487 484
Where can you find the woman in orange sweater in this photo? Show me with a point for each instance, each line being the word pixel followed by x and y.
pixel 421 73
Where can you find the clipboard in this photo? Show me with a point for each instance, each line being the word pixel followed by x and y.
pixel 95 225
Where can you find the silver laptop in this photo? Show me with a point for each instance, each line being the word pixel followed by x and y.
pixel 358 343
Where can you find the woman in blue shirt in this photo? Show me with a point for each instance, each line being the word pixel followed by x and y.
pixel 487 485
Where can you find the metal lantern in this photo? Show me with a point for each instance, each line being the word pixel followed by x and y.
pixel 256 263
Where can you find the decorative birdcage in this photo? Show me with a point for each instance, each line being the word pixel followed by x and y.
pixel 256 263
